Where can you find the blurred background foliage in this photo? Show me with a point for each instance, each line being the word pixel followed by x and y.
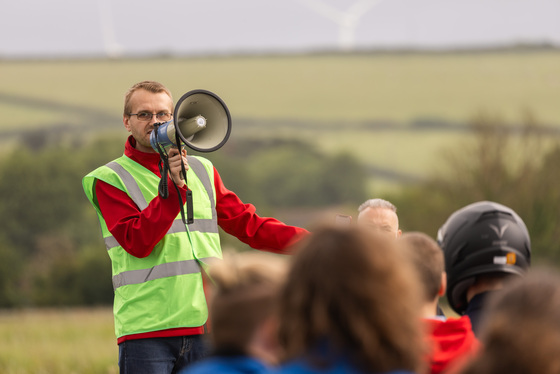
pixel 51 253
pixel 52 250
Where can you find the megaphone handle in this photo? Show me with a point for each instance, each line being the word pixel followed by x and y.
pixel 163 189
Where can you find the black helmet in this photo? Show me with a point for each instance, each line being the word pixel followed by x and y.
pixel 482 238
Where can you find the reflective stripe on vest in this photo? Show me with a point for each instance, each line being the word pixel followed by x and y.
pixel 201 225
pixel 159 271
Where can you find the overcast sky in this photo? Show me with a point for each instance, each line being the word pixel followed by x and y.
pixel 74 28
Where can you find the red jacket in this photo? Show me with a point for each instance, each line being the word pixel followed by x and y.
pixel 451 340
pixel 139 231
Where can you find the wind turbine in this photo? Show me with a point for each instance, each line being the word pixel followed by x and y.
pixel 346 20
pixel 112 48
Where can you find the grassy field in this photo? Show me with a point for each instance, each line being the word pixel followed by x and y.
pixel 67 341
pixel 281 92
pixel 393 87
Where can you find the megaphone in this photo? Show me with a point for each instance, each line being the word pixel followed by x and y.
pixel 202 121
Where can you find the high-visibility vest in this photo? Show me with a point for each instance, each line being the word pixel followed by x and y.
pixel 163 290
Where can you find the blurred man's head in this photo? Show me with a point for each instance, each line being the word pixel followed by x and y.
pixel 242 304
pixel 379 215
pixel 427 259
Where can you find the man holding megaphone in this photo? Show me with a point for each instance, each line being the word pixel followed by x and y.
pixel 157 258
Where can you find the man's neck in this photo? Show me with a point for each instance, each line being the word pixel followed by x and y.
pixel 429 309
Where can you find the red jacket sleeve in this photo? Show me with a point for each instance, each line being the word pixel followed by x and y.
pixel 137 231
pixel 240 220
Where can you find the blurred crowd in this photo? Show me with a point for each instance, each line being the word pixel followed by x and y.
pixel 363 297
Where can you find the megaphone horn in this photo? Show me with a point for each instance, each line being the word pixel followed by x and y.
pixel 202 121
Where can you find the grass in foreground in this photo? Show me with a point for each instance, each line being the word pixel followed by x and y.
pixel 58 341
pixel 65 341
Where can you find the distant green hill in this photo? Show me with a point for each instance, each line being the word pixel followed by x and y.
pixel 393 111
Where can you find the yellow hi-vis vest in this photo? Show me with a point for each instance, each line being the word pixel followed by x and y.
pixel 163 290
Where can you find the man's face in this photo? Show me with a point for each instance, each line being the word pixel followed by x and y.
pixel 145 101
pixel 381 219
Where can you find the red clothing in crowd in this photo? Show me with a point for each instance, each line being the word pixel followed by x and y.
pixel 139 231
pixel 451 340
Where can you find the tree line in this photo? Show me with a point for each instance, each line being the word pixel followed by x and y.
pixel 515 166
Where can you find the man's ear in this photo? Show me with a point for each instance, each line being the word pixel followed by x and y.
pixel 126 123
pixel 443 284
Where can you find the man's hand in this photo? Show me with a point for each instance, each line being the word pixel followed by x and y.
pixel 175 165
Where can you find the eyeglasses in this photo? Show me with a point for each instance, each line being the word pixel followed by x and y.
pixel 147 116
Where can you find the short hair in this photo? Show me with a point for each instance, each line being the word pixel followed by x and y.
pixel 150 86
pixel 521 330
pixel 377 203
pixel 349 286
pixel 245 290
pixel 427 259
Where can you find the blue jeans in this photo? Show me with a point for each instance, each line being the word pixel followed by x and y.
pixel 161 355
